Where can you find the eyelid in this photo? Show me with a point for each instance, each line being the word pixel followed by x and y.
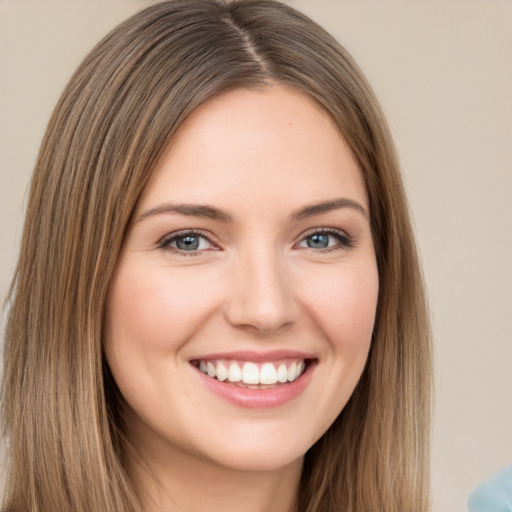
pixel 345 240
pixel 164 242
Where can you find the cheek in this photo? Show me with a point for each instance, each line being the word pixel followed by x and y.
pixel 342 303
pixel 152 313
pixel 345 305
pixel 156 310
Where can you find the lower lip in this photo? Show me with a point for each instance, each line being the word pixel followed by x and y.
pixel 259 398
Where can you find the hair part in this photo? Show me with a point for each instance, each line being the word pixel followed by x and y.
pixel 60 405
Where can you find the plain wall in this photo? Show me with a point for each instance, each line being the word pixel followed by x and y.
pixel 443 72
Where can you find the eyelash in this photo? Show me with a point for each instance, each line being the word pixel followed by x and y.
pixel 344 241
pixel 167 240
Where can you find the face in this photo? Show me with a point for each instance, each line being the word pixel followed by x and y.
pixel 241 312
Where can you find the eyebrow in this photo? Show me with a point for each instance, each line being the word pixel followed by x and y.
pixel 211 212
pixel 327 206
pixel 190 210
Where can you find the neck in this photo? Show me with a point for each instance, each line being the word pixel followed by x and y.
pixel 177 480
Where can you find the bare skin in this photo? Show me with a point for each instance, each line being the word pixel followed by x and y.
pixel 221 489
pixel 250 246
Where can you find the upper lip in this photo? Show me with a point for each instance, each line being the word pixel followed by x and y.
pixel 256 357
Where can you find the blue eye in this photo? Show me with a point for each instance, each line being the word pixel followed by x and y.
pixel 318 241
pixel 327 239
pixel 187 242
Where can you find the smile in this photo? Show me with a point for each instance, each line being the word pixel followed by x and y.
pixel 254 380
pixel 251 374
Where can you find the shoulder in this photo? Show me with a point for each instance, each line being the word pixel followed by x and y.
pixel 493 494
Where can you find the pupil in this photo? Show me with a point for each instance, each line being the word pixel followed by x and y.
pixel 318 241
pixel 187 243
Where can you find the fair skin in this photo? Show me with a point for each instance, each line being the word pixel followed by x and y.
pixel 251 243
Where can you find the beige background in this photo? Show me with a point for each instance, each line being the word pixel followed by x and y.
pixel 443 72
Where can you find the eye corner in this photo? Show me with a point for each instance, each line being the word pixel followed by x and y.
pixel 199 242
pixel 323 243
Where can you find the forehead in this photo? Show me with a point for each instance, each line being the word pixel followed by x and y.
pixel 255 147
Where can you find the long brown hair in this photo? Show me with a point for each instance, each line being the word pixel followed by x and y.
pixel 121 107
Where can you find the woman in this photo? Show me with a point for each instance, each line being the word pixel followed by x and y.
pixel 218 303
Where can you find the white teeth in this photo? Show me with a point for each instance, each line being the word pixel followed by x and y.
pixel 234 373
pixel 282 373
pixel 210 369
pixel 250 374
pixel 222 372
pixel 268 374
pixel 292 372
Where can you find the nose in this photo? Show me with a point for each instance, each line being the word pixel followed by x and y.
pixel 261 296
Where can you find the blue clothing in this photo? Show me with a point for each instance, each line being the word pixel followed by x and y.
pixel 493 495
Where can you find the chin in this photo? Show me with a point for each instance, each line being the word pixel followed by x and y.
pixel 260 460
pixel 260 451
